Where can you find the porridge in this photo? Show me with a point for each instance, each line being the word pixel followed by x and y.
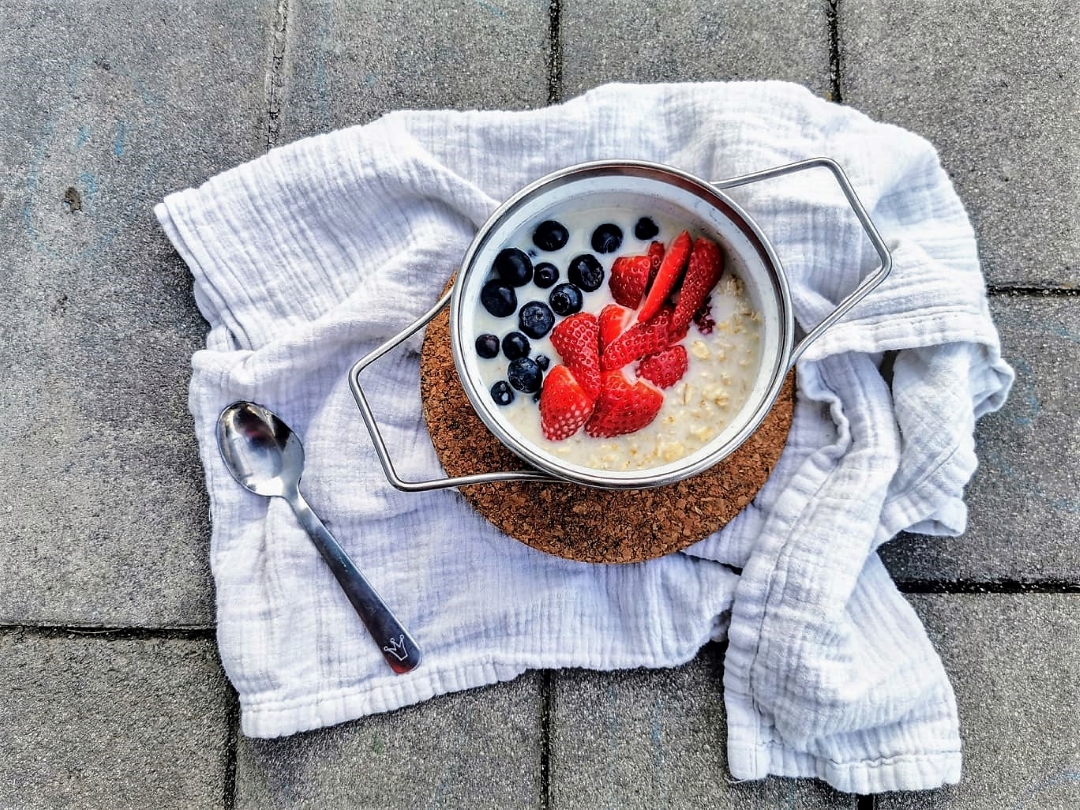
pixel 616 340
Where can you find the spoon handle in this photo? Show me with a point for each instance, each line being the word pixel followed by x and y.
pixel 397 646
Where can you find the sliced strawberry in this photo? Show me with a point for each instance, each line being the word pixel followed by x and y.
pixel 656 257
pixel 638 341
pixel 622 407
pixel 702 272
pixel 629 278
pixel 564 405
pixel 576 339
pixel 665 368
pixel 613 320
pixel 671 269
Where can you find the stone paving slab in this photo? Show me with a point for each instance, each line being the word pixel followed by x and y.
pixel 347 63
pixel 1013 660
pixel 1024 501
pixel 656 738
pixel 996 87
pixel 100 722
pixel 105 108
pixel 477 749
pixel 693 40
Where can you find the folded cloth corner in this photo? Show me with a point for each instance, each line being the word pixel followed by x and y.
pixel 312 255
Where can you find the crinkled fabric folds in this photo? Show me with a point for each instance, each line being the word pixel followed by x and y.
pixel 311 256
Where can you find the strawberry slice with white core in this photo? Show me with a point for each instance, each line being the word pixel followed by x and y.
pixel 704 269
pixel 564 405
pixel 622 407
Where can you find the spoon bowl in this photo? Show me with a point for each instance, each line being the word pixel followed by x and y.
pixel 264 455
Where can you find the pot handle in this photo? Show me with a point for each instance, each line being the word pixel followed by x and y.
pixel 867 284
pixel 376 437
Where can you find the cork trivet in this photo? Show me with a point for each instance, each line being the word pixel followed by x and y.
pixel 584 523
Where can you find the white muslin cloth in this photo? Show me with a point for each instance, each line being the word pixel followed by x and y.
pixel 309 257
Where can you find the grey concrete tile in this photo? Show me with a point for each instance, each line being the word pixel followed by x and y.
pixel 996 86
pixel 693 40
pixel 476 749
pixel 112 723
pixel 1024 500
pixel 656 738
pixel 1013 661
pixel 105 108
pixel 347 63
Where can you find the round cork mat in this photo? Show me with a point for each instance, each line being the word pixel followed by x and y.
pixel 584 523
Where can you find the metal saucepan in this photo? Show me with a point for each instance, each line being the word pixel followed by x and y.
pixel 702 206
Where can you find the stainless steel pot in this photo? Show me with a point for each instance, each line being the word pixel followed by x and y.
pixel 702 206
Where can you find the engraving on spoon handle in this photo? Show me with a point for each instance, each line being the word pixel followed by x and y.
pixel 395 643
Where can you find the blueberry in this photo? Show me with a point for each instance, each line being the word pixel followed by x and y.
pixel 545 275
pixel 502 393
pixel 514 267
pixel 585 271
pixel 515 345
pixel 498 299
pixel 525 375
pixel 542 361
pixel 646 228
pixel 487 346
pixel 535 319
pixel 607 238
pixel 550 235
pixel 565 299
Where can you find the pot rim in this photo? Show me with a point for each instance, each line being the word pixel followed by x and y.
pixel 693 463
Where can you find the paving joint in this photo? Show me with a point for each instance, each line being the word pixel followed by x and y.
pixel 196 633
pixel 1046 586
pixel 546 689
pixel 1021 291
pixel 232 743
pixel 278 37
pixel 555 53
pixel 832 17
pixel 866 803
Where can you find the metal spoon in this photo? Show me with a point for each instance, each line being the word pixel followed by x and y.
pixel 266 457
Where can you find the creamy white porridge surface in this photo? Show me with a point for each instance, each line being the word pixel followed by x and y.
pixel 722 344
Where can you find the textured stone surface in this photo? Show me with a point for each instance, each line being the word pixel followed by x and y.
pixel 477 749
pixel 1013 661
pixel 1024 501
pixel 656 738
pixel 693 40
pixel 105 108
pixel 100 722
pixel 996 87
pixel 347 63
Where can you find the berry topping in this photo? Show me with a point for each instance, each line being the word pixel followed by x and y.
pixel 525 375
pixel 565 299
pixel 629 278
pixel 515 345
pixel 536 319
pixel 665 368
pixel 576 339
pixel 607 238
pixel 656 256
pixel 550 235
pixel 586 272
pixel 704 320
pixel 703 271
pixel 514 267
pixel 545 274
pixel 498 299
pixel 640 340
pixel 487 346
pixel 502 393
pixel 622 407
pixel 613 322
pixel 671 269
pixel 564 405
pixel 645 229
pixel 543 361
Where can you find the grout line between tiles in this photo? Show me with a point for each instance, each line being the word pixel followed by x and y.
pixel 546 686
pixel 832 15
pixel 1046 586
pixel 191 633
pixel 554 52
pixel 278 37
pixel 232 740
pixel 1020 291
